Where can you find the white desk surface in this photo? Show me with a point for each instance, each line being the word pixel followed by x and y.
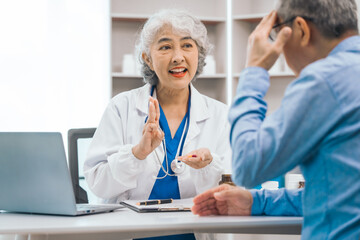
pixel 125 223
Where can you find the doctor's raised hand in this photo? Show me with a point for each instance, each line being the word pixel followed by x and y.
pixel 152 134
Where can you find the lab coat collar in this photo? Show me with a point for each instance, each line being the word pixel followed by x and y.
pixel 143 99
pixel 199 110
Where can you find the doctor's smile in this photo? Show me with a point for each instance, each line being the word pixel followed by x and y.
pixel 178 72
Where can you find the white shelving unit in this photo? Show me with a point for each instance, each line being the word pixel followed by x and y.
pixel 129 16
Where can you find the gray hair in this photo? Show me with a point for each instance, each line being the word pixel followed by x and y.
pixel 181 22
pixel 331 17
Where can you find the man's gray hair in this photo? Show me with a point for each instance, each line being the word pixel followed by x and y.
pixel 181 22
pixel 331 17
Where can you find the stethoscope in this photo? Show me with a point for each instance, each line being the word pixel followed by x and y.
pixel 176 165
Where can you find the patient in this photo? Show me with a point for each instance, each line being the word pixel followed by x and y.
pixel 143 131
pixel 316 127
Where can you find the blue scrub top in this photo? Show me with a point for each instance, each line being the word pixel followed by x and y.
pixel 168 187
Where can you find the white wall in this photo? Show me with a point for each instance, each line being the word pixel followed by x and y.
pixel 54 64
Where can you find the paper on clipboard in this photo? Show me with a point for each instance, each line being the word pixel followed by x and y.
pixel 178 205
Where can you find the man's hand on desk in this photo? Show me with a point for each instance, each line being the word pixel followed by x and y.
pixel 223 200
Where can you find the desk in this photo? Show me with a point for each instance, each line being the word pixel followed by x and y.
pixel 125 223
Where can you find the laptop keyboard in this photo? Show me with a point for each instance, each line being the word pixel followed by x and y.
pixel 90 207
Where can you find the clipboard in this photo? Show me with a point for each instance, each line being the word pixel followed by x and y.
pixel 178 205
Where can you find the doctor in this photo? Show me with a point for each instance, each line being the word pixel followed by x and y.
pixel 165 139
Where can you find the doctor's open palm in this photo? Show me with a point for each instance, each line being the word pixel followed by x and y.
pixel 152 134
pixel 198 158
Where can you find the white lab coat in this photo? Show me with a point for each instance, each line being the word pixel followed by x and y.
pixel 114 174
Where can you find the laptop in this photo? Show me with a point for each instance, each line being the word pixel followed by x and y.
pixel 34 176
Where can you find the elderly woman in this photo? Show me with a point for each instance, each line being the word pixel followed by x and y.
pixel 165 139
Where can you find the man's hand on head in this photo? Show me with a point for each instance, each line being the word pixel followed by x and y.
pixel 260 51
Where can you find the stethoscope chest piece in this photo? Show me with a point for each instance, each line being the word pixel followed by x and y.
pixel 177 166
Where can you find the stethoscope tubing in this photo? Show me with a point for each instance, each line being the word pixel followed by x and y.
pixel 176 166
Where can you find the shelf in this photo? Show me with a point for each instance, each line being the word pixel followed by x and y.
pixel 143 18
pixel 212 20
pixel 251 18
pixel 279 74
pixel 129 17
pixel 122 75
pixel 214 76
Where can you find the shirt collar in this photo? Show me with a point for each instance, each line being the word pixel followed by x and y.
pixel 349 44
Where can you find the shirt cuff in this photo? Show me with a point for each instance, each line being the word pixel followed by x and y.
pixel 126 156
pixel 256 208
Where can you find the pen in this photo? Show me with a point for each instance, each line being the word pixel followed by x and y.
pixel 153 202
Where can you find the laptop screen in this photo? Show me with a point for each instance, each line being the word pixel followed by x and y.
pixel 34 176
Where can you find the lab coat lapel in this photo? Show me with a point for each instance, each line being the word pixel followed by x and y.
pixel 143 99
pixel 199 112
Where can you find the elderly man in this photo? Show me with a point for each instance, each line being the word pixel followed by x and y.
pixel 316 127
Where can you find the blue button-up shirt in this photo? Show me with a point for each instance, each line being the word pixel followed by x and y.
pixel 317 127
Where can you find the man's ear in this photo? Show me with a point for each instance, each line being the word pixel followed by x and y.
pixel 305 31
pixel 147 60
